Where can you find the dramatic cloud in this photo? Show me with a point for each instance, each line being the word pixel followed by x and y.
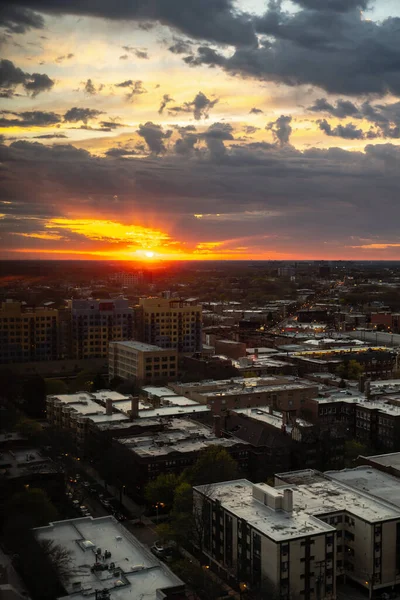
pixel 60 59
pixel 180 46
pixel 138 52
pixel 165 100
pixel 90 87
pixel 34 118
pixel 135 88
pixel 255 111
pixel 212 20
pixel 347 132
pixel 154 137
pixel 50 136
pixel 75 114
pixel 17 19
pixel 313 46
pixel 281 129
pixel 12 76
pixel 200 106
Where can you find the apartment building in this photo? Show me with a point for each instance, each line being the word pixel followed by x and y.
pixel 27 333
pixel 108 562
pixel 286 395
pixel 142 363
pixel 95 323
pixel 170 323
pixel 298 537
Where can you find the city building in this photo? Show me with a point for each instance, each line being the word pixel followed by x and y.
pixel 299 537
pixel 142 363
pixel 230 348
pixel 170 323
pixel 95 323
pixel 170 449
pixel 109 563
pixel 287 396
pixel 28 333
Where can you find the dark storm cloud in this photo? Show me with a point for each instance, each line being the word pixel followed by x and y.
pixel 299 187
pixel 75 114
pixel 186 144
pixel 215 136
pixel 17 19
pixel 110 125
pixel 200 106
pixel 154 137
pixel 34 118
pixel 347 132
pixel 281 129
pixel 12 76
pixel 385 117
pixel 180 46
pixel 205 55
pixel 165 100
pixel 214 20
pixel 326 44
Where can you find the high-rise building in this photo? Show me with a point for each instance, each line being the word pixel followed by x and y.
pixel 169 323
pixel 27 334
pixel 95 323
pixel 142 363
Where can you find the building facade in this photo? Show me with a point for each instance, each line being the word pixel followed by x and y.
pixel 96 323
pixel 28 334
pixel 169 323
pixel 142 363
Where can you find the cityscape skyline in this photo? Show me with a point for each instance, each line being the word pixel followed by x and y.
pixel 219 130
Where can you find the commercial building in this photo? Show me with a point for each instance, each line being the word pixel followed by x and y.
pixel 169 323
pixel 109 563
pixel 28 333
pixel 95 323
pixel 142 363
pixel 298 537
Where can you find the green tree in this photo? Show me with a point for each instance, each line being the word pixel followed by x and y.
pixel 32 506
pixel 350 370
pixel 214 464
pixel 354 449
pixel 55 387
pixel 161 489
pixel 83 382
pixel 29 428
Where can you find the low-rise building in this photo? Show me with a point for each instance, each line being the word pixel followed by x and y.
pixel 109 563
pixel 142 363
pixel 298 537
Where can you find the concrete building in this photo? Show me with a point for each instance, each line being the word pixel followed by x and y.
pixel 230 348
pixel 142 363
pixel 95 323
pixel 27 333
pixel 298 537
pixel 169 323
pixel 109 563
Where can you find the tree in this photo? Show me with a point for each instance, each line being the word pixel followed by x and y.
pixel 32 506
pixel 60 558
pixel 30 429
pixel 98 383
pixel 34 396
pixel 55 386
pixel 83 382
pixel 214 464
pixel 198 579
pixel 161 489
pixel 352 450
pixel 115 382
pixel 350 370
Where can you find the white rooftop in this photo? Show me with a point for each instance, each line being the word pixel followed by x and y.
pixel 136 573
pixel 140 346
pixel 312 501
pixel 165 411
pixel 158 391
pixel 370 480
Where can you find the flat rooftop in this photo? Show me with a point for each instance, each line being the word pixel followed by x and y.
pixel 141 347
pixel 170 411
pixel 313 500
pixel 159 392
pixel 135 573
pixel 367 479
pixel 387 460
pixel 240 389
pixel 22 462
pixel 181 436
pixel 274 418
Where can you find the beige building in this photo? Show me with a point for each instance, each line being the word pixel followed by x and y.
pixel 143 363
pixel 299 537
pixel 170 323
pixel 27 334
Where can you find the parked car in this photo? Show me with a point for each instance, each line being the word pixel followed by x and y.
pixel 161 551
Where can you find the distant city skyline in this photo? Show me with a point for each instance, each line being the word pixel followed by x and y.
pixel 200 130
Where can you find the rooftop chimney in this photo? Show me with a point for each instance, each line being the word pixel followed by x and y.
pixel 134 407
pixel 109 407
pixel 217 426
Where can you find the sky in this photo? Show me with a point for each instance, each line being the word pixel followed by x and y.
pixel 200 129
